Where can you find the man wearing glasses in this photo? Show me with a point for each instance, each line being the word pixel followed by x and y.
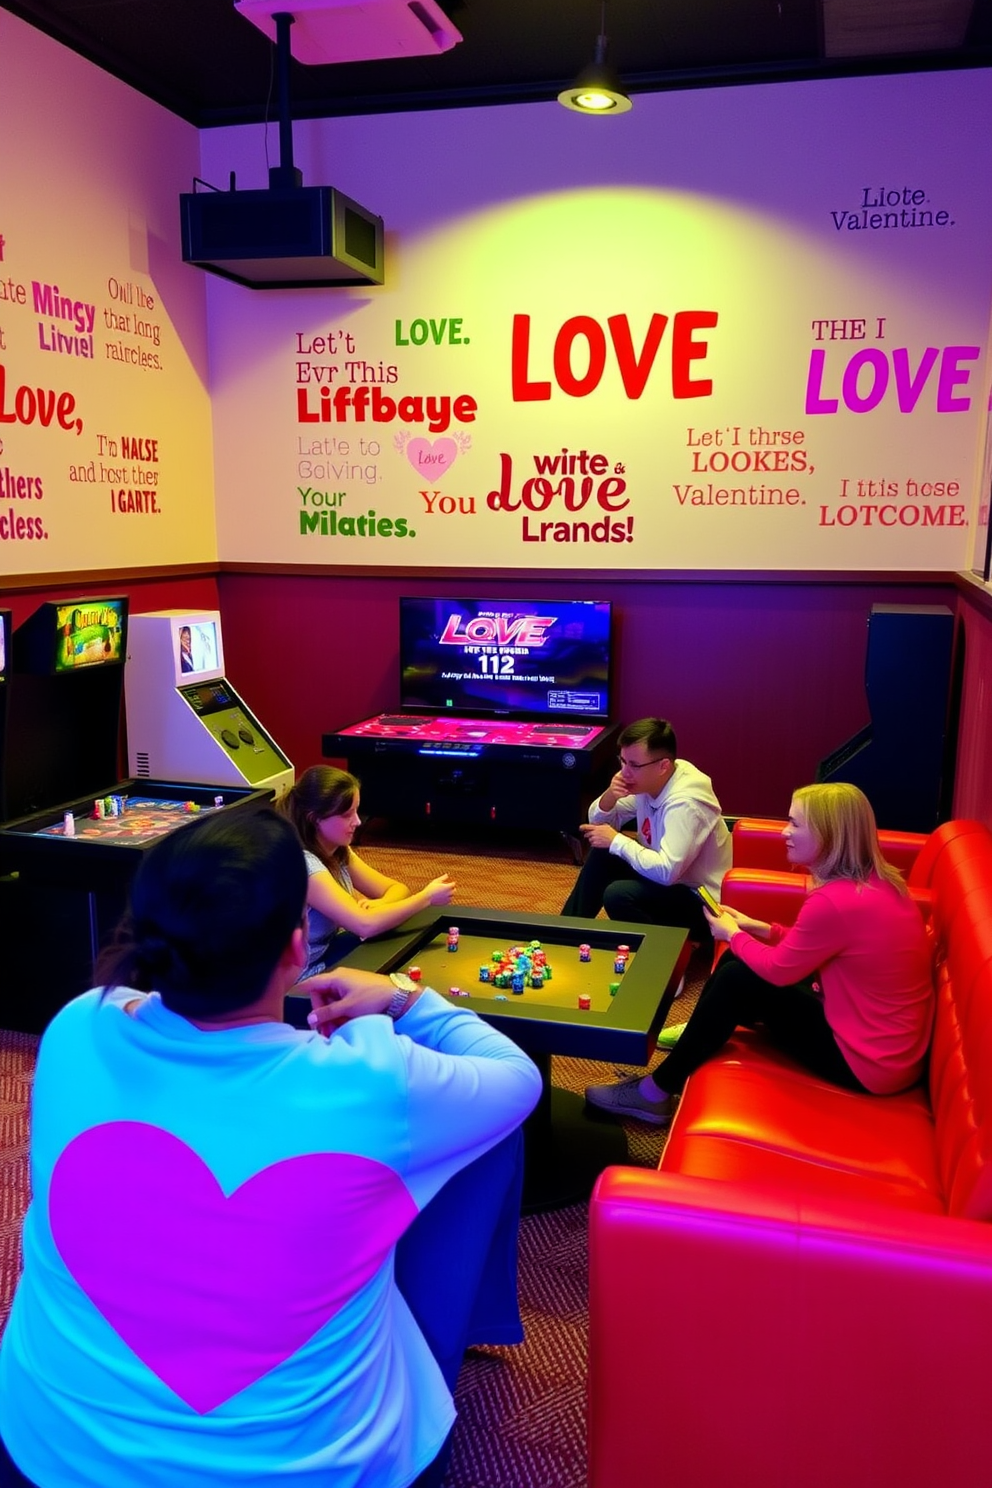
pixel 682 840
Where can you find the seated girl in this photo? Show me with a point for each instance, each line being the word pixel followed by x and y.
pixel 347 899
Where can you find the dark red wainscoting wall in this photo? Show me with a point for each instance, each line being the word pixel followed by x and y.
pixel 760 678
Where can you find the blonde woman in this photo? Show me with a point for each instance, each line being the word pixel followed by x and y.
pixel 847 990
pixel 344 893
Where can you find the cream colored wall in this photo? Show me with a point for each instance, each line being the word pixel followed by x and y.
pixel 738 328
pixel 105 422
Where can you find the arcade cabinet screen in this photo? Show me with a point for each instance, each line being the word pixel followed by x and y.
pixel 89 633
pixel 531 658
pixel 197 648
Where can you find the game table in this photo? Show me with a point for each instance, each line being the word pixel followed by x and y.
pixel 567 1144
pixel 74 888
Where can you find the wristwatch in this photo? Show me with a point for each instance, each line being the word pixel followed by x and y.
pixel 405 987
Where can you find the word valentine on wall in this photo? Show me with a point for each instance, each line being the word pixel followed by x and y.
pixel 767 356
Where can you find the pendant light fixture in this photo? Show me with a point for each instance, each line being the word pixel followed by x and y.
pixel 597 89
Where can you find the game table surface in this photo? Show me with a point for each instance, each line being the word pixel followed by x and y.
pixel 112 846
pixel 623 1027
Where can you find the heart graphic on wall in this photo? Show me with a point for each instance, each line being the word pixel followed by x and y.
pixel 431 458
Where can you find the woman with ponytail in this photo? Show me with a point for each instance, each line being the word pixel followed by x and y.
pixel 231 1271
pixel 347 899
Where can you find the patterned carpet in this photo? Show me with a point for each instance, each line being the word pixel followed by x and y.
pixel 521 1411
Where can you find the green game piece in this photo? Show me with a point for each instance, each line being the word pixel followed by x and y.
pixel 614 988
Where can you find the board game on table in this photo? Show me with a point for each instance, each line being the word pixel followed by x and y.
pixel 568 1145
pixel 111 846
pixel 79 882
pixel 141 819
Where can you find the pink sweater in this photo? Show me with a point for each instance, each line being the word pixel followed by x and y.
pixel 868 944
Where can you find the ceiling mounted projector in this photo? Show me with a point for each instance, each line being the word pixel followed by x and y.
pixel 356 30
pixel 299 237
pixel 307 237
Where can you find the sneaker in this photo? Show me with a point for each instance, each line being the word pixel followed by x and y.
pixel 669 1037
pixel 625 1099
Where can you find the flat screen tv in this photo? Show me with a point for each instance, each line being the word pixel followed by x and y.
pixel 526 658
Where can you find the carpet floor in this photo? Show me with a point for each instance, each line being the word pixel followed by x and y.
pixel 521 1410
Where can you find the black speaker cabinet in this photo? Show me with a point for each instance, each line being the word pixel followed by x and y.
pixel 899 759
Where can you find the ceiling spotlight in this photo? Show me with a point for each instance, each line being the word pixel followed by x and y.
pixel 597 89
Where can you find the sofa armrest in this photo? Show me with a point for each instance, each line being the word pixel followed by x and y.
pixel 741 1334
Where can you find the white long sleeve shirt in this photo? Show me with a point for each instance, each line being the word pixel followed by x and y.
pixel 681 834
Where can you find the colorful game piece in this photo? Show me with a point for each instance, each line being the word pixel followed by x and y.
pixel 536 980
pixel 454 930
pixel 517 981
pixel 454 991
pixel 414 973
pixel 191 807
pixel 585 952
pixel 218 802
pixel 623 950
pixel 500 997
pixel 546 971
pixel 483 973
pixel 68 825
pixel 452 942
pixel 614 988
pixel 620 965
pixel 585 1002
pixel 99 809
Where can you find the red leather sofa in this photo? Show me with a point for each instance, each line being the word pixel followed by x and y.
pixel 757 843
pixel 801 1295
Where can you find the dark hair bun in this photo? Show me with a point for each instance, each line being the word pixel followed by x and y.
pixel 157 961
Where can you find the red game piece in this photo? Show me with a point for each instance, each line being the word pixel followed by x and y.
pixel 415 973
pixel 585 1002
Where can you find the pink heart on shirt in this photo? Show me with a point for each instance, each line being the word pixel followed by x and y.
pixel 212 1290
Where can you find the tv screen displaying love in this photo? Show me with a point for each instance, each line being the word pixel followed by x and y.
pixel 527 658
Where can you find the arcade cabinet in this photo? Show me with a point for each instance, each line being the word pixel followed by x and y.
pixel 184 719
pixel 65 703
pixel 75 832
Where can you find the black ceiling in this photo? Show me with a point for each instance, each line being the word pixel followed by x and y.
pixel 205 62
